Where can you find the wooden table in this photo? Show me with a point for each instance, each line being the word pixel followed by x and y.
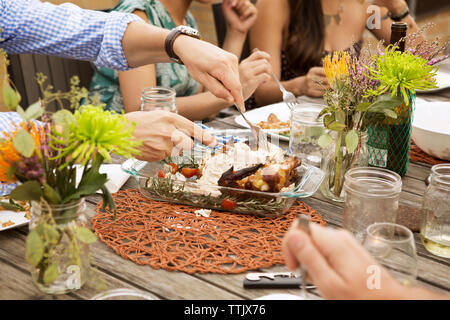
pixel 116 272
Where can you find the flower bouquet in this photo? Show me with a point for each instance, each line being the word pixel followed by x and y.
pixel 346 118
pixel 43 157
pixel 400 74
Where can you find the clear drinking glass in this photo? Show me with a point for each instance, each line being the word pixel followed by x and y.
pixel 392 245
pixel 158 98
pixel 371 195
pixel 306 128
pixel 435 230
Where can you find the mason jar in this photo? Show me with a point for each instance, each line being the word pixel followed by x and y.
pixel 371 195
pixel 435 229
pixel 158 98
pixel 336 162
pixel 58 246
pixel 305 131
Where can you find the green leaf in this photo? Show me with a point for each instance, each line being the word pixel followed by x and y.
pixel 11 98
pixel 11 172
pixel 51 233
pixel 390 113
pixel 91 181
pixel 328 119
pixel 325 140
pixel 21 113
pixel 30 190
pixel 351 141
pixel 363 106
pixel 51 274
pixel 63 118
pixel 324 111
pixel 34 111
pixel 35 248
pixel 24 143
pixel 50 194
pixel 340 116
pixel 336 126
pixel 385 102
pixel 10 206
pixel 85 235
pixel 108 200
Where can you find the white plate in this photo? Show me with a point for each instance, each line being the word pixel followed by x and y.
pixel 18 218
pixel 442 81
pixel 281 110
pixel 431 127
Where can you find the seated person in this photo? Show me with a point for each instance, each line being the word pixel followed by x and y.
pixel 298 34
pixel 123 90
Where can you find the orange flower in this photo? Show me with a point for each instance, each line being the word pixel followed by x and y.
pixel 8 154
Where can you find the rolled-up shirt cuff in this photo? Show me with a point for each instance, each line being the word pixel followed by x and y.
pixel 111 53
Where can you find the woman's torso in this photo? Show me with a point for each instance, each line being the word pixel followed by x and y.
pixel 338 36
pixel 105 82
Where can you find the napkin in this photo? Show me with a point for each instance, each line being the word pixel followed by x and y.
pixel 116 176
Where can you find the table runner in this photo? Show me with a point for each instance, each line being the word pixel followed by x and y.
pixel 175 238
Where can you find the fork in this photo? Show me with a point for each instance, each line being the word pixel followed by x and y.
pixel 288 97
pixel 303 224
pixel 261 139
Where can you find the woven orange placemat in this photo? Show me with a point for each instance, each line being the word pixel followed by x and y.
pixel 419 155
pixel 175 238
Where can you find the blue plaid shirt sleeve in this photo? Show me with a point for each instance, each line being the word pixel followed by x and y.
pixel 31 26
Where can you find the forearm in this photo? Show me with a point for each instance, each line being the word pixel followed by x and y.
pixel 397 7
pixel 200 106
pixel 234 42
pixel 143 44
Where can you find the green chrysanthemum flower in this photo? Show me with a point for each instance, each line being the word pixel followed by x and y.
pixel 92 129
pixel 399 72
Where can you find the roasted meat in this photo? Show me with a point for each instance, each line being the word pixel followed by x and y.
pixel 270 177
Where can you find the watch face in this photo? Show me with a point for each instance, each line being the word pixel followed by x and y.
pixel 188 31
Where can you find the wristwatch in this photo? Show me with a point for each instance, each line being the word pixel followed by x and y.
pixel 400 16
pixel 170 39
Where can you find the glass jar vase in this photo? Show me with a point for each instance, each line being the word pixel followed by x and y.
pixel 371 196
pixel 305 131
pixel 58 246
pixel 336 161
pixel 158 98
pixel 435 229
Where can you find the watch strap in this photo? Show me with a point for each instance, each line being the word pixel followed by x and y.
pixel 168 45
pixel 173 35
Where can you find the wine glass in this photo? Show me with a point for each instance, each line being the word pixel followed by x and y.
pixel 392 245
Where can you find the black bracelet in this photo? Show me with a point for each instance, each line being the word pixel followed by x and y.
pixel 400 16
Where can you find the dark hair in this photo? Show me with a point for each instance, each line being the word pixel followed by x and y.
pixel 304 47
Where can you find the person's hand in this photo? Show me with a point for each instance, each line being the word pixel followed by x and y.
pixel 165 134
pixel 240 15
pixel 314 82
pixel 338 265
pixel 216 69
pixel 254 71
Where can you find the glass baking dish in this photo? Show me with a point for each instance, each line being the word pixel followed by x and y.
pixel 259 203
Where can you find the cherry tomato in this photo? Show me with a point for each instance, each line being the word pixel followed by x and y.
pixel 174 168
pixel 198 172
pixel 228 204
pixel 161 174
pixel 188 172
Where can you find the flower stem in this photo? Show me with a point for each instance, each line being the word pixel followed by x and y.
pixel 339 158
